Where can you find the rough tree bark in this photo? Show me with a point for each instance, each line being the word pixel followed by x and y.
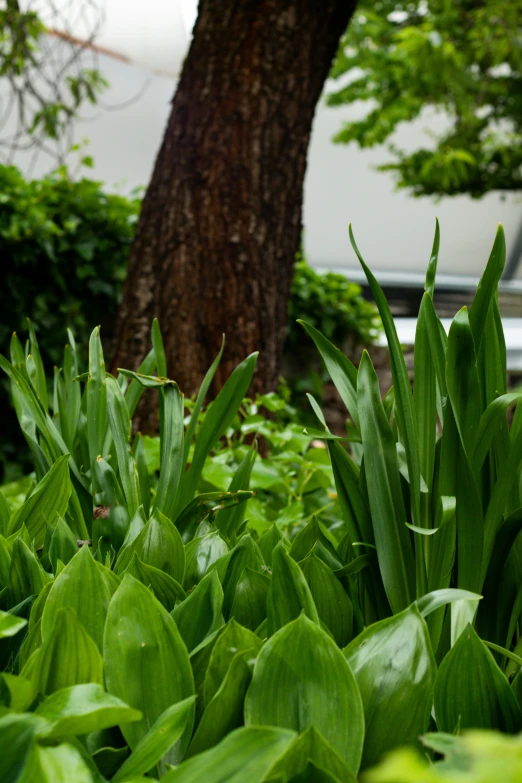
pixel 221 219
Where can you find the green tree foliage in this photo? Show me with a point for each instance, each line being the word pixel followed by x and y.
pixel 45 92
pixel 462 57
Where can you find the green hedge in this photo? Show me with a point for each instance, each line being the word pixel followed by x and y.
pixel 64 247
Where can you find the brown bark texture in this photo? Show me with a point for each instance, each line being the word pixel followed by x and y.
pixel 221 219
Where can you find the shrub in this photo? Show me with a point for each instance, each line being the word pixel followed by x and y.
pixel 64 248
pixel 152 619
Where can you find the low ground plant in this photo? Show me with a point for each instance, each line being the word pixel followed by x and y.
pixel 154 625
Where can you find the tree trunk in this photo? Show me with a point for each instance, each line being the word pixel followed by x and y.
pixel 221 219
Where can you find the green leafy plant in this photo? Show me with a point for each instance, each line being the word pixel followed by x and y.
pixel 431 491
pixel 460 59
pixel 147 627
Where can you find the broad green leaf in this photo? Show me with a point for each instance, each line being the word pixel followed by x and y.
pixel 158 544
pixel 249 606
pixel 301 679
pixel 224 712
pixel 164 587
pixel 112 523
pixel 17 736
pixel 245 554
pixel 392 540
pixel 200 554
pixel 487 287
pixel 310 746
pixel 341 370
pixel 489 426
pixel 68 656
pixel 401 386
pixel 63 545
pixel 305 540
pixel 56 764
pixel 82 586
pixel 495 608
pixel 160 738
pixel 425 408
pixel 21 692
pixel 171 457
pixel 148 381
pixel 431 601
pixel 120 424
pixel 32 641
pixel 199 614
pixel 140 458
pixel 289 594
pixel 333 605
pixel 229 520
pixel 438 345
pixel 472 692
pixel 49 499
pixel 146 661
pixel 5 513
pixel 395 670
pixel 10 624
pixel 232 640
pixel 26 575
pixel 498 501
pixel 354 507
pixel 207 505
pixel 82 709
pixel 217 419
pixel 462 380
pixel 246 754
pixel 268 542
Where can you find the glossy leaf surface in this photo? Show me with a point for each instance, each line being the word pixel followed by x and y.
pixel 146 661
pixel 301 679
pixel 395 669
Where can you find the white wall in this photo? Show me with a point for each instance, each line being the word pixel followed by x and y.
pixel 393 231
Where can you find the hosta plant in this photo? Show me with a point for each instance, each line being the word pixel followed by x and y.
pixel 148 630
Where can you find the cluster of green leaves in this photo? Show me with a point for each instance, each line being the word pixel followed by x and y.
pixel 461 58
pixel 148 629
pixel 21 59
